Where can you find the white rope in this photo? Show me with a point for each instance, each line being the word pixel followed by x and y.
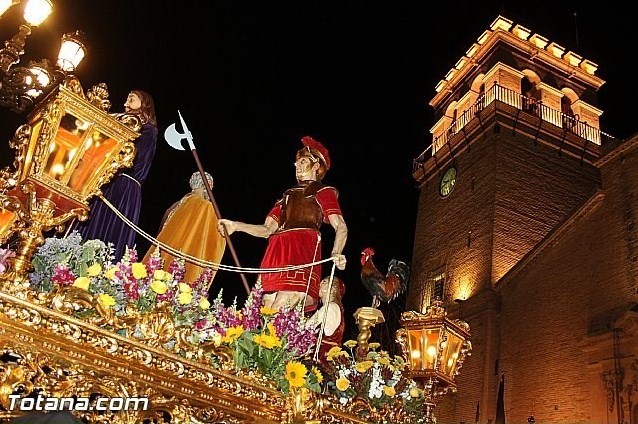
pixel 325 314
pixel 314 257
pixel 201 262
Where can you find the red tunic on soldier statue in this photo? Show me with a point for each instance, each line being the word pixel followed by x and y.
pixel 297 241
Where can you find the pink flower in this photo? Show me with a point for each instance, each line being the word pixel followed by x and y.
pixel 63 275
pixel 131 288
pixel 201 325
pixel 178 270
pixel 166 297
pixel 4 255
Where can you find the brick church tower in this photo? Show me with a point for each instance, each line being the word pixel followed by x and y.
pixel 527 219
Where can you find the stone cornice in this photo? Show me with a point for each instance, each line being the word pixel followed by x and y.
pixel 479 52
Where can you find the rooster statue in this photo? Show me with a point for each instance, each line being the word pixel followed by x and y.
pixel 383 288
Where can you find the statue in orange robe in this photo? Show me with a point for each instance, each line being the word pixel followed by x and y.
pixel 190 226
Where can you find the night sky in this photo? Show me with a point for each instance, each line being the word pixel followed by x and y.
pixel 252 77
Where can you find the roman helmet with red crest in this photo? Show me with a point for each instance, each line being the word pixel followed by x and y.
pixel 317 152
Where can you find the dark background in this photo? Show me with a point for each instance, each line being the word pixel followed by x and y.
pixel 252 77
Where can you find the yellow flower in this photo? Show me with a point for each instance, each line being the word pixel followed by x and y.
pixel 384 361
pixel 333 353
pixel 342 384
pixel 94 270
pixel 217 339
pixel 159 286
pixel 296 373
pixel 350 343
pixel 374 345
pixel 271 329
pixel 106 300
pixel 267 311
pixel 160 274
pixel 232 334
pixel 316 372
pixel 185 298
pixel 266 341
pixel 363 366
pixel 185 288
pixel 415 392
pixel 139 270
pixel 204 304
pixel 82 283
pixel 110 273
pixel 389 391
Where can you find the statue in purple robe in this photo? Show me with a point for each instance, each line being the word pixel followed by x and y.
pixel 124 191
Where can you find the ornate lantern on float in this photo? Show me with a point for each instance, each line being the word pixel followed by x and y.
pixel 435 347
pixel 70 147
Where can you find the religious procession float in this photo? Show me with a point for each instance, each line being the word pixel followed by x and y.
pixel 77 326
pixel 89 335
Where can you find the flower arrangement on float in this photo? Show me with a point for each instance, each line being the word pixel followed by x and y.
pixel 127 287
pixel 378 378
pixel 274 343
pixel 144 301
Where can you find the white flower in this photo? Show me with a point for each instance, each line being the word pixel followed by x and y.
pixel 345 372
pixel 376 390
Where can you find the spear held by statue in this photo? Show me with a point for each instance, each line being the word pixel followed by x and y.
pixel 174 139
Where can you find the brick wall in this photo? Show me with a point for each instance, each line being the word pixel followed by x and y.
pixel 570 294
pixel 536 189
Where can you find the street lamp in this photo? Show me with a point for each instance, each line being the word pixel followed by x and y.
pixel 21 86
pixel 435 347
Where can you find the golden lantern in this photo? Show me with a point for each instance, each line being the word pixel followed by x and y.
pixel 435 347
pixel 70 147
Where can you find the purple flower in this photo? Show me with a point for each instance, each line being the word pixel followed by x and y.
pixel 251 315
pixel 178 270
pixel 166 297
pixel 154 263
pixel 227 318
pixel 288 324
pixel 204 278
pixel 130 255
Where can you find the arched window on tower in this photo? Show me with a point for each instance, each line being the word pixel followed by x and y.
pixel 569 119
pixel 452 130
pixel 528 101
pixel 481 97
